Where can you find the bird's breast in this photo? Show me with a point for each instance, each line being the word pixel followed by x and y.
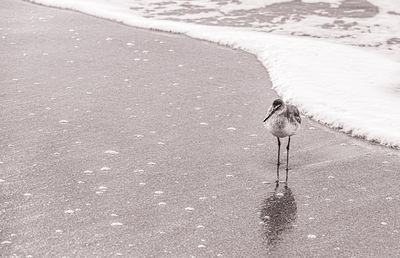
pixel 279 126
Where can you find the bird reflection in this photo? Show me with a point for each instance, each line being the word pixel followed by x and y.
pixel 278 212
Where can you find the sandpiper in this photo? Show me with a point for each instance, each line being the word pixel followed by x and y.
pixel 283 120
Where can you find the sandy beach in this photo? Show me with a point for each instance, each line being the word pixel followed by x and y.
pixel 118 141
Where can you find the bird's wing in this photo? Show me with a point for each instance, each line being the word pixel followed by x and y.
pixel 294 112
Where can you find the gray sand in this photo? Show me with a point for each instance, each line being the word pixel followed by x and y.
pixel 157 148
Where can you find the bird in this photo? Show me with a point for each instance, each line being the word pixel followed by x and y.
pixel 282 120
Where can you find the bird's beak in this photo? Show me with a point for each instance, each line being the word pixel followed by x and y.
pixel 271 113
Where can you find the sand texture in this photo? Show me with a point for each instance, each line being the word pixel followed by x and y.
pixel 121 141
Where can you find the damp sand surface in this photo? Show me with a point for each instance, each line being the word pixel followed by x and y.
pixel 117 141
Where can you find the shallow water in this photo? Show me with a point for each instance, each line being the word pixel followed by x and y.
pixel 374 25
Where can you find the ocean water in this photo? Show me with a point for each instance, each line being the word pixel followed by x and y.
pixel 371 24
pixel 337 60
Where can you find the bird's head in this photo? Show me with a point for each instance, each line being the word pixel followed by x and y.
pixel 277 105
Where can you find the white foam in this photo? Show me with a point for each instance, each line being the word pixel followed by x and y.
pixel 345 87
pixel 311 236
pixel 112 152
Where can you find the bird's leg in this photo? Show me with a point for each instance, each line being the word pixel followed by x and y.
pixel 279 156
pixel 279 151
pixel 287 159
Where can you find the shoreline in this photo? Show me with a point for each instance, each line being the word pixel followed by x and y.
pixel 103 154
pixel 342 114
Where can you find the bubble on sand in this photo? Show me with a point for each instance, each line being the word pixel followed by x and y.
pixel 130 44
pixel 387 198
pixel 204 123
pixel 116 224
pixel 63 121
pixel 114 215
pixel 68 211
pixel 161 143
pixel 180 65
pixel 189 209
pixel 311 236
pixel 142 184
pixel 162 204
pixel 59 231
pixel 201 246
pixel 138 135
pixel 27 194
pixel 151 163
pixel 105 169
pixel 113 152
pixel 6 242
pixel 200 226
pixel 88 172
pixel 203 198
pixel 108 39
pixel 136 59
pixel 81 182
pixel 311 128
pixel 229 176
pixel 231 129
pixel 158 192
pixel 331 177
pixel 102 187
pixel 2 180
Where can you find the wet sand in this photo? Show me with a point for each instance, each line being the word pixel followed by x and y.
pixel 121 141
